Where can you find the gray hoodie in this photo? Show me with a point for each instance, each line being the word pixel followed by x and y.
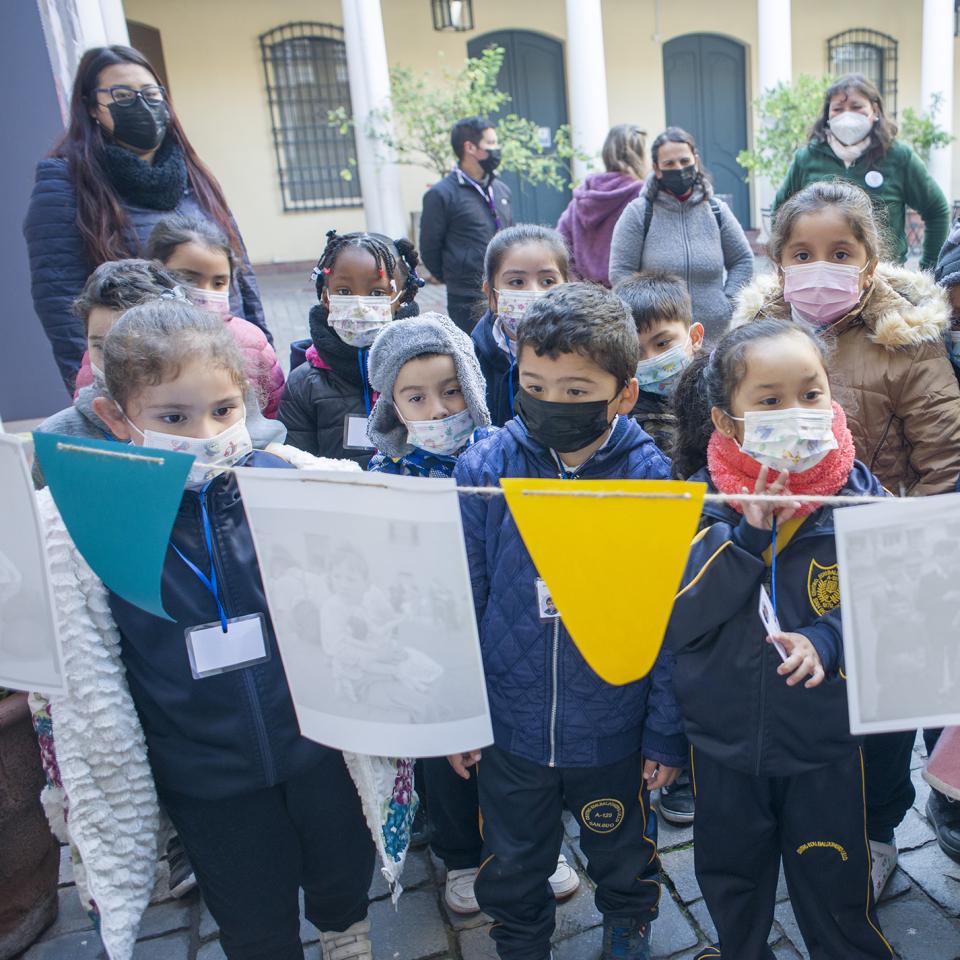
pixel 685 239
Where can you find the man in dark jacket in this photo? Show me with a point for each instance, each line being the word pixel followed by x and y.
pixel 460 215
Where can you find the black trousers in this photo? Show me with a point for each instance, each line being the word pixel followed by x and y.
pixel 890 791
pixel 814 822
pixel 453 814
pixel 465 309
pixel 252 854
pixel 521 804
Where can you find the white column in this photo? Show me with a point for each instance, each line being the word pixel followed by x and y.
pixel 587 79
pixel 936 76
pixel 774 65
pixel 369 90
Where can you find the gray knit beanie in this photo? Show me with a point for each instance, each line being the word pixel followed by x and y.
pixel 402 340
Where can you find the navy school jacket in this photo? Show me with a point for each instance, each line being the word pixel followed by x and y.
pixel 227 734
pixel 736 708
pixel 499 371
pixel 547 704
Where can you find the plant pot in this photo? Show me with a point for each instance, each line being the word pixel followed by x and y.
pixel 30 859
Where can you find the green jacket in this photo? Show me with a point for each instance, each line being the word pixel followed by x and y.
pixel 906 183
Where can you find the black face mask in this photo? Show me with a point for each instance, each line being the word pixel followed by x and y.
pixel 680 181
pixel 564 427
pixel 140 125
pixel 491 161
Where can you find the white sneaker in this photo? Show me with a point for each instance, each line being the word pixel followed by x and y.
pixel 458 891
pixel 884 857
pixel 565 880
pixel 352 944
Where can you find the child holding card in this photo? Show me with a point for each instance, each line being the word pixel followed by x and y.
pixel 776 773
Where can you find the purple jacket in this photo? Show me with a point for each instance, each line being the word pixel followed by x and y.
pixel 587 223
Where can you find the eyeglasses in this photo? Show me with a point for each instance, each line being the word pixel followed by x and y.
pixel 124 96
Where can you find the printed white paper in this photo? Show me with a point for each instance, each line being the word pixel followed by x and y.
pixel 900 593
pixel 367 581
pixel 30 654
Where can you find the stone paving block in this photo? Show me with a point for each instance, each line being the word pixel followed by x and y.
pixel 571 824
pixel 704 921
pixel 578 913
pixel 784 951
pixel 917 930
pixel 166 917
pixel 915 831
pixel 678 865
pixel 211 951
pixel 783 914
pixel 416 873
pixel 208 926
pixel 782 892
pixel 923 791
pixel 672 931
pixel 174 947
pixel 936 874
pixel 66 866
pixel 476 944
pixel 898 884
pixel 670 836
pixel 415 930
pixel 74 946
pixel 70 916
pixel 583 946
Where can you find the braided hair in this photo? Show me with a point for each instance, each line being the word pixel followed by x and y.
pixel 388 255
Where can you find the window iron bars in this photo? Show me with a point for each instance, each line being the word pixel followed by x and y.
pixel 870 53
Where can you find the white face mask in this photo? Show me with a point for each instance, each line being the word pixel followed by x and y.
pixel 98 376
pixel 794 439
pixel 215 301
pixel 444 437
pixel 512 305
pixel 660 374
pixel 358 320
pixel 211 454
pixel 850 128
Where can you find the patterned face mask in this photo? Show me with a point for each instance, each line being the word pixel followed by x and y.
pixel 660 374
pixel 444 437
pixel 795 439
pixel 512 305
pixel 216 301
pixel 358 320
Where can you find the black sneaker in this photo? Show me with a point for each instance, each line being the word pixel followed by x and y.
pixel 944 816
pixel 676 801
pixel 625 940
pixel 182 880
pixel 420 830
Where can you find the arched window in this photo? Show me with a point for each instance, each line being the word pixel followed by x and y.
pixel 305 66
pixel 868 52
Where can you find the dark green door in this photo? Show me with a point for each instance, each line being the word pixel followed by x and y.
pixel 532 73
pixel 705 89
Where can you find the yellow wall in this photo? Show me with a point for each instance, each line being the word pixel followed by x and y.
pixel 213 61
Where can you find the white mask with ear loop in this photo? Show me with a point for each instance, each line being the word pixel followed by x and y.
pixel 795 439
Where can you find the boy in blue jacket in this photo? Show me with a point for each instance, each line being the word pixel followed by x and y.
pixel 563 737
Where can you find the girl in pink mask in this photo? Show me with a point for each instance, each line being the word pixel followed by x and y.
pixel 891 375
pixel 199 254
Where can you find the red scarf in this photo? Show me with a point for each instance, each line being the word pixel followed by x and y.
pixel 731 470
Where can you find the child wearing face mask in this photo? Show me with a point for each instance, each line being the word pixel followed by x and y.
pixel 260 810
pixel 363 282
pixel 778 777
pixel 577 353
pixel 893 379
pixel 669 340
pixel 199 254
pixel 521 264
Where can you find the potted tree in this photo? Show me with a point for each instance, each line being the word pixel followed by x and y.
pixel 30 859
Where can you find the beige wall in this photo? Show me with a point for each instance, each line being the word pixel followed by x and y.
pixel 213 60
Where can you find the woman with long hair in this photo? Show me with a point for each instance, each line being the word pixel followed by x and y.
pixel 854 139
pixel 677 225
pixel 123 163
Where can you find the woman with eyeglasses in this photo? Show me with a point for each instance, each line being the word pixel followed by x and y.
pixel 123 164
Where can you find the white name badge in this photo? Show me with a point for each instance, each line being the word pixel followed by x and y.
pixel 545 605
pixel 770 621
pixel 355 433
pixel 211 651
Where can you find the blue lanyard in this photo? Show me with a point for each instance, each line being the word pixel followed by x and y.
pixel 362 358
pixel 773 567
pixel 209 582
pixel 513 366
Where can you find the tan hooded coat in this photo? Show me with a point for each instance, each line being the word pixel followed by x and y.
pixel 891 374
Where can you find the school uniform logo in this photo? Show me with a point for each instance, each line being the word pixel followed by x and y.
pixel 823 587
pixel 602 816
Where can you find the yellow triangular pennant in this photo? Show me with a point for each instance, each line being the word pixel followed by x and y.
pixel 612 564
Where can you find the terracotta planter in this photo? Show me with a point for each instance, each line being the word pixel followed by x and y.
pixel 30 858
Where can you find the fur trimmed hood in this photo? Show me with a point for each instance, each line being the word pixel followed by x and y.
pixel 903 308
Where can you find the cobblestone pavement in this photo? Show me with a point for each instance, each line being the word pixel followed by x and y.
pixel 919 911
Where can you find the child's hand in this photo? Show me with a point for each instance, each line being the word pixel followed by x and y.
pixel 802 659
pixel 760 515
pixel 655 775
pixel 461 762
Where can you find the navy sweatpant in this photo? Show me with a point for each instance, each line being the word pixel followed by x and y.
pixel 521 804
pixel 814 822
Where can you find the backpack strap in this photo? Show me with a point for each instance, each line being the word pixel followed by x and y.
pixel 647 217
pixel 717 215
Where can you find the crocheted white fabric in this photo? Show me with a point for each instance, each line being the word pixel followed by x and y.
pixel 111 802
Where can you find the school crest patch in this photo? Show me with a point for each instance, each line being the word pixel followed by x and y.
pixel 823 587
pixel 602 816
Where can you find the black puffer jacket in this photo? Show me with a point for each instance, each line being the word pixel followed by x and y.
pixel 324 390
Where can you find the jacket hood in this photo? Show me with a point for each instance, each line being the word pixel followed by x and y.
pixel 486 346
pixel 602 195
pixel 84 406
pixel 623 440
pixel 903 308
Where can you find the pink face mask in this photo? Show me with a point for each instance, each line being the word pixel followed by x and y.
pixel 821 292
